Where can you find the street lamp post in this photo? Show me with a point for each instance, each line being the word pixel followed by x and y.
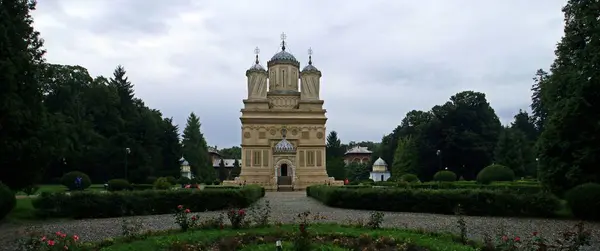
pixel 439 154
pixel 127 151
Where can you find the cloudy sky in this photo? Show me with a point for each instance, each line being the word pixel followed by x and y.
pixel 379 58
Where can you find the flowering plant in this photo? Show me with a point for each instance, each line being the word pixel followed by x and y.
pixel 236 217
pixel 56 241
pixel 183 219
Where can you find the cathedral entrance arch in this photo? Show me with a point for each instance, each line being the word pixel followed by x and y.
pixel 285 171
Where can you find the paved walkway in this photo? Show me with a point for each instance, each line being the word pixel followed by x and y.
pixel 286 205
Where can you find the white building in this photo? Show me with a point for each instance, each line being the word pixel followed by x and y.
pixel 380 171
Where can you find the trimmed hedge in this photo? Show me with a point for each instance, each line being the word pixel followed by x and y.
pixel 7 200
pixel 69 180
pixel 445 175
pixel 116 204
pixel 517 187
pixel 584 201
pixel 442 201
pixel 495 172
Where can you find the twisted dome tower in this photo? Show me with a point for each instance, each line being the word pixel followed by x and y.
pixel 283 71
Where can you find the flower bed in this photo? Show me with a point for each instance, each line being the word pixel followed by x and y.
pixel 257 233
pixel 441 201
pixel 101 205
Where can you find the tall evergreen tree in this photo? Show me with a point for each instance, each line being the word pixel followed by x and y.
pixel 570 143
pixel 405 158
pixel 195 150
pixel 526 124
pixel 514 151
pixel 236 170
pixel 335 157
pixel 539 111
pixel 223 172
pixel 22 114
pixel 171 149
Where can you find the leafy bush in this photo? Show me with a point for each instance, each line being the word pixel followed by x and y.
pixel 216 182
pixel 183 180
pixel 584 201
pixel 162 184
pixel 444 175
pixel 91 204
pixel 7 200
pixel 495 172
pixel 118 185
pixel 171 180
pixel 70 180
pixel 442 201
pixel 410 178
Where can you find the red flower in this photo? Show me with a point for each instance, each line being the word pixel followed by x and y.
pixel 66 248
pixel 194 218
pixel 517 239
pixel 241 212
pixel 43 238
pixel 75 237
pixel 63 235
pixel 50 243
pixel 58 233
pixel 504 238
pixel 187 210
pixel 535 233
pixel 180 207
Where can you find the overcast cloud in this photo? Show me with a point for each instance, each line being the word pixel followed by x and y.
pixel 379 58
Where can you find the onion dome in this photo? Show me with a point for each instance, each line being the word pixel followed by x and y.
pixel 184 162
pixel 256 67
pixel 310 67
pixel 380 162
pixel 283 57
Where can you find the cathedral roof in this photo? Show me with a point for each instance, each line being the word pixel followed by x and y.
pixel 283 146
pixel 380 162
pixel 283 57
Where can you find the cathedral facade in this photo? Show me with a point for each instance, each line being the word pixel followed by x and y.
pixel 283 125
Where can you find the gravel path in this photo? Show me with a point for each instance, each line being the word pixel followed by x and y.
pixel 286 205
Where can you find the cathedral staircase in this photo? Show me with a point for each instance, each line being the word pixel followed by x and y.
pixel 284 184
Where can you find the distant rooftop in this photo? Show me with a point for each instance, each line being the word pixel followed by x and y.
pixel 358 150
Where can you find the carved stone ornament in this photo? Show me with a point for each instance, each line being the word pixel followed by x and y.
pixel 247 135
pixel 319 135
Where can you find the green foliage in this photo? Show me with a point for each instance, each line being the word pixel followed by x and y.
pixel 151 179
pixel 445 175
pixel 442 201
pixel 405 157
pixel 234 152
pixel 514 151
pixel 223 171
pixel 236 170
pixel 7 200
pixel 569 145
pixel 31 189
pixel 195 150
pixel 183 180
pixel 336 168
pixel 118 185
pixel 118 204
pixel 584 201
pixel 162 183
pixel 70 178
pixel 410 178
pixel 171 180
pixel 24 128
pixel 358 172
pixel 495 172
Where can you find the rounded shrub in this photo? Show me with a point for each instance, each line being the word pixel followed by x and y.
pixel 76 180
pixel 217 182
pixel 118 185
pixel 171 180
pixel 584 201
pixel 7 200
pixel 444 175
pixel 183 180
pixel 162 184
pixel 495 172
pixel 410 178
